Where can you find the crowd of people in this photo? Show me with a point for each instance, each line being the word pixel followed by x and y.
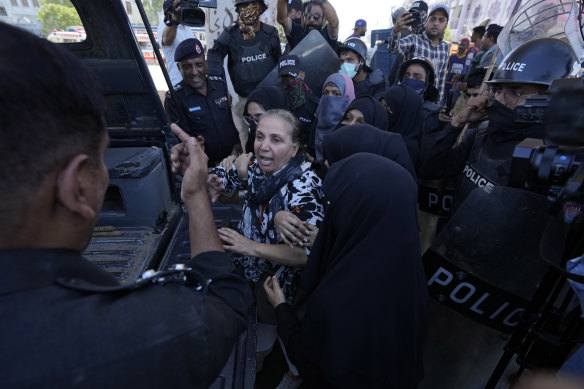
pixel 329 239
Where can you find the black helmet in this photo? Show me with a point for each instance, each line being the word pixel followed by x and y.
pixel 425 63
pixel 354 44
pixel 263 6
pixel 539 61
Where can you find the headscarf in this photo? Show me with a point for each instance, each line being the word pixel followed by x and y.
pixel 363 138
pixel 269 97
pixel 372 110
pixel 247 17
pixel 406 118
pixel 331 109
pixel 366 311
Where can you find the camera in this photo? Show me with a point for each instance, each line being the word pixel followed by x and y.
pixel 190 14
pixel 417 20
pixel 547 169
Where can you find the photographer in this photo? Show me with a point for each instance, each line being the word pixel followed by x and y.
pixel 484 158
pixel 428 44
pixel 171 32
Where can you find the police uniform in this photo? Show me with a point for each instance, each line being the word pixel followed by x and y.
pixel 67 323
pixel 305 114
pixel 209 116
pixel 248 61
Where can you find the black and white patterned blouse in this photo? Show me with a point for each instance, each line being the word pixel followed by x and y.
pixel 301 197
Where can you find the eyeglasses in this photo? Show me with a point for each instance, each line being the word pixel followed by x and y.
pixel 510 95
pixel 252 119
pixel 315 16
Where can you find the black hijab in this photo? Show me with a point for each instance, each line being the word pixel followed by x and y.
pixel 372 110
pixel 406 118
pixel 366 311
pixel 269 97
pixel 364 138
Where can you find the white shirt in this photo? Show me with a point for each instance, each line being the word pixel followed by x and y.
pixel 182 33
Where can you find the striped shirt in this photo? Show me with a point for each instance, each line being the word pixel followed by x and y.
pixel 420 45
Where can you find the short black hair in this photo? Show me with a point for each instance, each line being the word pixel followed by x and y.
pixel 493 35
pixel 480 30
pixel 475 78
pixel 52 109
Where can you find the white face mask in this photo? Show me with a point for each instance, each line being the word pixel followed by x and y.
pixel 349 69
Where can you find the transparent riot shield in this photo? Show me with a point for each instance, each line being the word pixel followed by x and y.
pixel 318 60
pixel 535 19
pixel 482 270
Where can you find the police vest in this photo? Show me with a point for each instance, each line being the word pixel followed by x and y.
pixel 305 114
pixel 482 169
pixel 249 61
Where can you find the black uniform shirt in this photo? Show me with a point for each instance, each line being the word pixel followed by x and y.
pixel 64 325
pixel 209 116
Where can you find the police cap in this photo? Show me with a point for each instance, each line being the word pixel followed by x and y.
pixel 188 49
pixel 289 65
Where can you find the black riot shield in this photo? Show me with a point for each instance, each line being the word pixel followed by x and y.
pixel 318 59
pixel 482 270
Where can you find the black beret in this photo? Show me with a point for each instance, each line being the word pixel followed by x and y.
pixel 188 49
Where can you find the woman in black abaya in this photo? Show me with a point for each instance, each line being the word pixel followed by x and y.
pixel 259 101
pixel 366 110
pixel 405 114
pixel 365 296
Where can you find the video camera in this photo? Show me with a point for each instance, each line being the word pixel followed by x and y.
pixel 547 169
pixel 191 13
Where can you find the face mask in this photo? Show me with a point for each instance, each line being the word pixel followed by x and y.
pixel 502 128
pixel 349 69
pixel 295 96
pixel 418 85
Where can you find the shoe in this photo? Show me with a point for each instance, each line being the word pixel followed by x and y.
pixel 289 382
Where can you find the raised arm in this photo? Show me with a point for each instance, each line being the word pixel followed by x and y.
pixel 202 232
pixel 331 16
pixel 282 16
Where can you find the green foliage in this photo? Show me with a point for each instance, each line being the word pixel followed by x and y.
pixel 447 34
pixel 152 8
pixel 55 15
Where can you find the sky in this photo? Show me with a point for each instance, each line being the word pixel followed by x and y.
pixel 377 13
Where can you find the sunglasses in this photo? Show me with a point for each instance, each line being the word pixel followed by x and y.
pixel 315 16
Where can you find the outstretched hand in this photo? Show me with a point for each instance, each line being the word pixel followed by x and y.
pixel 274 292
pixel 188 156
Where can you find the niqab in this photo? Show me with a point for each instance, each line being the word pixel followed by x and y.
pixel 406 118
pixel 331 109
pixel 366 308
pixel 373 112
pixel 364 138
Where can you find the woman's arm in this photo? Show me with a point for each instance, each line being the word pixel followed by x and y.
pixel 280 253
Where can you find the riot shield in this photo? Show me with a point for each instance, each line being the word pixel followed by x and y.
pixel 482 270
pixel 535 19
pixel 318 59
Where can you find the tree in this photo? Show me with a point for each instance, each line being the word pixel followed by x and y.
pixel 57 14
pixel 152 8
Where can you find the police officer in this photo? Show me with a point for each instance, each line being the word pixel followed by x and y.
pixel 65 322
pixel 252 49
pixel 200 104
pixel 484 158
pixel 367 81
pixel 299 98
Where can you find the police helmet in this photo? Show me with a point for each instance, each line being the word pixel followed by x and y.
pixel 539 62
pixel 262 3
pixel 354 44
pixel 425 63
